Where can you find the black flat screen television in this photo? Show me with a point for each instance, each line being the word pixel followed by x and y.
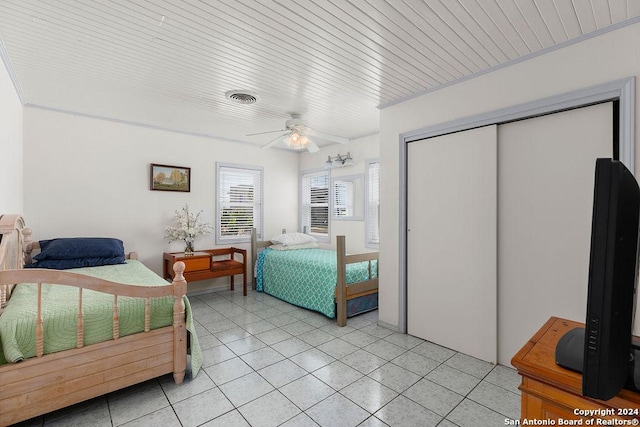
pixel 603 350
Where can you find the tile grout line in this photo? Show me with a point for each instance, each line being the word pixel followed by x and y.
pixel 236 314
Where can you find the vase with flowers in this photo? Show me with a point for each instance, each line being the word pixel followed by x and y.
pixel 188 227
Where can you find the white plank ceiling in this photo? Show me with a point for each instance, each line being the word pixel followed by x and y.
pixel 169 63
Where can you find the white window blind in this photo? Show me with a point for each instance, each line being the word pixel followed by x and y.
pixel 372 219
pixel 315 203
pixel 239 203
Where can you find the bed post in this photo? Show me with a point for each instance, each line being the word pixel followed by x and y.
pixel 179 325
pixel 341 285
pixel 12 253
pixel 254 256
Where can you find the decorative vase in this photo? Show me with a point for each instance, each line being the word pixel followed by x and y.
pixel 188 250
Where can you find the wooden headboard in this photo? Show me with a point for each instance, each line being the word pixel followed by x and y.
pixel 14 240
pixel 14 243
pixel 256 246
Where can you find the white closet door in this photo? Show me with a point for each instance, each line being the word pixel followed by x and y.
pixel 545 189
pixel 451 243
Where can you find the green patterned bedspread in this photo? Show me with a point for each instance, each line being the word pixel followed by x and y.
pixel 305 277
pixel 60 308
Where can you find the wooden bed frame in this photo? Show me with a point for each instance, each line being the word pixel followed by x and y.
pixel 49 382
pixel 344 292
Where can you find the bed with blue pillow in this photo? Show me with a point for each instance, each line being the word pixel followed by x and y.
pixel 83 319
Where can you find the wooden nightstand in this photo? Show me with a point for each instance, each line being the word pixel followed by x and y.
pixel 208 264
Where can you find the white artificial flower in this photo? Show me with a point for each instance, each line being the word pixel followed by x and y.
pixel 188 226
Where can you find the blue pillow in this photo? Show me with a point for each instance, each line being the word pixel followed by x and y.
pixel 64 264
pixel 80 247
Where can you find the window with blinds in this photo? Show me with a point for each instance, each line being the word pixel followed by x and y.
pixel 372 218
pixel 239 207
pixel 315 204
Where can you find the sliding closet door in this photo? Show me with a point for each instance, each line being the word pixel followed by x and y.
pixel 451 242
pixel 545 189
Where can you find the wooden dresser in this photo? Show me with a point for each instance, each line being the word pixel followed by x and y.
pixel 550 392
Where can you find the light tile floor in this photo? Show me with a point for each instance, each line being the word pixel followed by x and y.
pixel 268 363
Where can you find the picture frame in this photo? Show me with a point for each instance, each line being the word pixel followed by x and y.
pixel 169 178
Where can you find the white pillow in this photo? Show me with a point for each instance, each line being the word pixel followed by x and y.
pixel 309 245
pixel 292 239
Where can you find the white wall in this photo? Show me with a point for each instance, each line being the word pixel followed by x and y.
pixel 593 61
pixel 90 177
pixel 361 150
pixel 11 182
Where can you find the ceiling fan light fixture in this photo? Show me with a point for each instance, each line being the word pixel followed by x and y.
pixel 294 136
pixel 297 141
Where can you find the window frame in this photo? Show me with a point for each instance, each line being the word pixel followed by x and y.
pixel 258 206
pixel 307 174
pixel 354 198
pixel 369 241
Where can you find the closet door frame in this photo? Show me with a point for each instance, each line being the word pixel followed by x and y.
pixel 622 92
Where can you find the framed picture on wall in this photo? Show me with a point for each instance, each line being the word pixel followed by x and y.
pixel 170 178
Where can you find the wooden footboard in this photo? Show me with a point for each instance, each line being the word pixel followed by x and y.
pixel 48 382
pixel 344 292
pixel 51 381
pixel 40 385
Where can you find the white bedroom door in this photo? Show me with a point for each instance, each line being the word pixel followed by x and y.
pixel 546 171
pixel 452 241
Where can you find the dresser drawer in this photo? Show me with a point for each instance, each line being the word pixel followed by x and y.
pixel 196 264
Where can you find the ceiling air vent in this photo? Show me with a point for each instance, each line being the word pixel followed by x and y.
pixel 241 97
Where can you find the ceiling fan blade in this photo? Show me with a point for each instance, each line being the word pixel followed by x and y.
pixel 312 147
pixel 262 133
pixel 327 137
pixel 273 142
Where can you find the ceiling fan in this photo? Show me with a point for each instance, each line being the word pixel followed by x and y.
pixel 296 136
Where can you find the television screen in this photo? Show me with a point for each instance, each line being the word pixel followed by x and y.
pixel 612 280
pixel 602 350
